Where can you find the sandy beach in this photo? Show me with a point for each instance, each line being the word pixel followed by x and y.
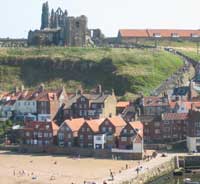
pixel 43 169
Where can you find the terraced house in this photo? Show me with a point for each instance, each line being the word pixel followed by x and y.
pixel 68 132
pixel 91 105
pixel 40 133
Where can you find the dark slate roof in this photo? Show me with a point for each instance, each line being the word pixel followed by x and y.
pixel 181 91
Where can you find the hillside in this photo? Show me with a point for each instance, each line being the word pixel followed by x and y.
pixel 128 71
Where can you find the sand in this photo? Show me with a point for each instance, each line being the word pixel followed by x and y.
pixel 43 169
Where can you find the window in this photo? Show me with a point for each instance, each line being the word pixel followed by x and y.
pixel 35 134
pixel 46 142
pixel 69 143
pixel 50 134
pixel 33 103
pixel 37 126
pixel 61 136
pixel 24 103
pixel 89 137
pixel 47 127
pixel 89 144
pixel 81 136
pixel 123 139
pixel 94 106
pixel 39 134
pixel 103 129
pixel 69 136
pixel 106 123
pixel 45 134
pixel 109 138
pixel 110 129
pixel 28 103
pixel 88 129
pixel 157 131
pixel 131 131
pixel 85 106
pixel 77 24
pixel 125 131
pixel 82 99
pixel 27 134
pixel 18 103
pixel 157 124
pixel 83 129
pixel 98 138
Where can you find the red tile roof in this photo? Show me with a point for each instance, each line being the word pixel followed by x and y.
pixel 155 101
pixel 163 32
pixel 174 116
pixel 94 124
pixel 139 126
pixel 117 121
pixel 75 124
pixel 133 33
pixel 123 104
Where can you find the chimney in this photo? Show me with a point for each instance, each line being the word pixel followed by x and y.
pixel 22 88
pixel 16 89
pixel 99 89
pixel 41 88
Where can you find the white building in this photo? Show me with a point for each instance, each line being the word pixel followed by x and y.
pixel 99 141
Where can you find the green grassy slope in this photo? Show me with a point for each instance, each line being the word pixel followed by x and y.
pixel 128 71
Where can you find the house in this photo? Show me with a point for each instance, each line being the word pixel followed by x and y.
pixel 193 131
pixel 154 105
pixel 174 126
pixel 90 105
pixel 68 132
pixel 40 133
pixel 86 133
pixel 152 128
pixel 112 128
pixel 130 134
pixel 121 106
pixel 133 36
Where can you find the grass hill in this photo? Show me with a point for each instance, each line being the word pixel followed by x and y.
pixel 128 71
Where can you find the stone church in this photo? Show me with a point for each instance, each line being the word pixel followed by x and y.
pixel 57 28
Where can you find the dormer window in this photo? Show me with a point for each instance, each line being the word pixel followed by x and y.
pixel 175 35
pixel 47 126
pixel 194 35
pixel 157 35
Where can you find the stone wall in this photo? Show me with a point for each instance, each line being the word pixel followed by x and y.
pixel 154 173
pixel 83 152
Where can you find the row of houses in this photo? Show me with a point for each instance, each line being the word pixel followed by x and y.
pixel 132 36
pixel 44 105
pixel 172 117
pixel 104 133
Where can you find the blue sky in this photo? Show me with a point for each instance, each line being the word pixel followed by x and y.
pixel 17 17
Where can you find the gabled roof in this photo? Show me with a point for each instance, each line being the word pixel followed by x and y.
pixel 75 124
pixel 94 124
pixel 174 116
pixel 137 125
pixel 123 104
pixel 117 121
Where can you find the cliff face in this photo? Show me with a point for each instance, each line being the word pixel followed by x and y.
pixel 31 72
pixel 128 72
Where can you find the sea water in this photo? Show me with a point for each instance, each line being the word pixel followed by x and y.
pixel 170 179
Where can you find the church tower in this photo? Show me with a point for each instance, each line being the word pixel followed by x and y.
pixel 45 16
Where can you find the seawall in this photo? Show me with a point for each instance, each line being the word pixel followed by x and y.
pixel 153 173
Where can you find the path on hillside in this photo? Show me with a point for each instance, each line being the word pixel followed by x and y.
pixel 181 76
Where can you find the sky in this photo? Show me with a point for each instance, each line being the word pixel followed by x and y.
pixel 17 17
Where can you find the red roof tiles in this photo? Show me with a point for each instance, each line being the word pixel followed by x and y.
pixel 162 32
pixel 174 116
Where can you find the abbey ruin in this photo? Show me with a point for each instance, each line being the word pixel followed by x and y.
pixel 57 28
